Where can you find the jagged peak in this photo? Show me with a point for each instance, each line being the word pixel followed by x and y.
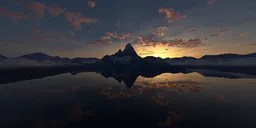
pixel 128 45
pixel 119 50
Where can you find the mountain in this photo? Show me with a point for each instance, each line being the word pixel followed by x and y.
pixel 2 57
pixel 127 56
pixel 228 56
pixel 40 57
pixel 215 60
pixel 128 51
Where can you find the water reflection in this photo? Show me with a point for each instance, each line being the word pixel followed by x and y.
pixel 166 100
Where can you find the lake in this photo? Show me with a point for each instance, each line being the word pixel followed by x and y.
pixel 91 100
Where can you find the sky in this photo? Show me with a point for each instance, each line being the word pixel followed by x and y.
pixel 95 28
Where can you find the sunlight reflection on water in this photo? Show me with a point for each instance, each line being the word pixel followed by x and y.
pixel 88 99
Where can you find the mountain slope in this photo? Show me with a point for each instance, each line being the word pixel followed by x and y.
pixel 2 57
pixel 40 57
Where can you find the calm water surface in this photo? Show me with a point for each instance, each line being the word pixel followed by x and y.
pixel 93 101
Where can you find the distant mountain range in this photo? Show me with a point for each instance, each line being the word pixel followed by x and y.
pixel 2 57
pixel 129 56
pixel 42 57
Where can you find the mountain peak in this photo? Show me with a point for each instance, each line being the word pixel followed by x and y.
pixel 129 51
pixel 128 45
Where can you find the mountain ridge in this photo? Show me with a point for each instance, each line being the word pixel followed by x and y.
pixel 130 52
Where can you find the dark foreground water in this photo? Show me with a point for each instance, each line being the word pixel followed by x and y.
pixel 89 100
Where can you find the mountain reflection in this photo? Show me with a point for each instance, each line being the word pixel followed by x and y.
pixel 128 77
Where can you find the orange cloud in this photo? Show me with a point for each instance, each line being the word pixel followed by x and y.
pixel 72 33
pixel 159 31
pixel 99 42
pixel 170 14
pixel 69 16
pixel 15 16
pixel 119 36
pixel 211 1
pixel 55 10
pixel 105 38
pixel 243 34
pixel 74 42
pixel 37 8
pixel 91 3
pixel 145 41
pixel 76 19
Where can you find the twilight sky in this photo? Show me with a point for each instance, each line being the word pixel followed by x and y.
pixel 94 28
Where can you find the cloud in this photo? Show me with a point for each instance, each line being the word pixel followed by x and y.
pixel 99 42
pixel 55 11
pixel 243 34
pixel 76 19
pixel 72 33
pixel 91 3
pixel 15 16
pixel 192 29
pixel 170 14
pixel 220 33
pixel 74 42
pixel 211 1
pixel 160 31
pixel 105 38
pixel 119 36
pixel 224 30
pixel 37 8
pixel 146 41
pixel 69 16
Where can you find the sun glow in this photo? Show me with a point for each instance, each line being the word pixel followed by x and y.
pixel 158 51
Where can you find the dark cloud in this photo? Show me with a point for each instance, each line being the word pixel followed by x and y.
pixel 15 16
pixel 55 10
pixel 192 29
pixel 37 8
pixel 218 34
pixel 221 32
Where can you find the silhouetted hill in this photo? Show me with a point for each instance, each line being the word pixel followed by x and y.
pixel 228 56
pixel 40 57
pixel 2 57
